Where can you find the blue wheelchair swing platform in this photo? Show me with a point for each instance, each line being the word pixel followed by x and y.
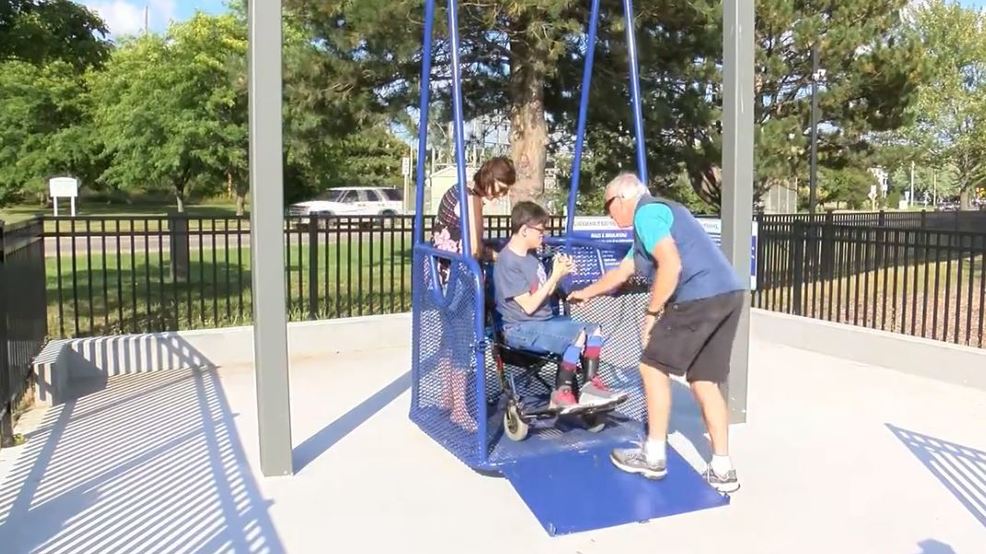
pixel 561 470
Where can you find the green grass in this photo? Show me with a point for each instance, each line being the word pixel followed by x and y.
pixel 137 292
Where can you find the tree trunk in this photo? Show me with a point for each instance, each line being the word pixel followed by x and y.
pixel 528 128
pixel 239 191
pixel 707 183
pixel 965 198
pixel 180 197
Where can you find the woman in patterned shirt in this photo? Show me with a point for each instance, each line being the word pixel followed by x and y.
pixel 491 182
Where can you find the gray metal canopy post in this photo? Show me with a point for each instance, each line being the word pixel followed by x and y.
pixel 737 176
pixel 270 340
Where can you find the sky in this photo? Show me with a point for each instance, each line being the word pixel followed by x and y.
pixel 127 16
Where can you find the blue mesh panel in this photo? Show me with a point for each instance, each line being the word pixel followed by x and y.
pixel 444 368
pixel 446 347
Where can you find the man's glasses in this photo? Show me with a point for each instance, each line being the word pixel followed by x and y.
pixel 609 203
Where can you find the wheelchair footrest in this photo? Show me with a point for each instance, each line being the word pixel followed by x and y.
pixel 545 411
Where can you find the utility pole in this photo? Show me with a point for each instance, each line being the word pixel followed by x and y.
pixel 146 17
pixel 813 176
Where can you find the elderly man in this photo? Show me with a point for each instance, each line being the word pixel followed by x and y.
pixel 688 328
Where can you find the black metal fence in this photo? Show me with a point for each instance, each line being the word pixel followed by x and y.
pixel 138 274
pixel 921 282
pixel 940 221
pixel 162 273
pixel 23 325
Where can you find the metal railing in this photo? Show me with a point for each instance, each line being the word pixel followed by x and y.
pixel 165 273
pixel 23 306
pixel 970 221
pixel 920 282
pixel 162 273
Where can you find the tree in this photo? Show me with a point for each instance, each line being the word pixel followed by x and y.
pixel 848 187
pixel 509 49
pixel 44 128
pixel 872 67
pixel 168 112
pixel 42 31
pixel 949 117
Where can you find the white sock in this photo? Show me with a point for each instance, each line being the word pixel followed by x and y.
pixel 655 451
pixel 721 464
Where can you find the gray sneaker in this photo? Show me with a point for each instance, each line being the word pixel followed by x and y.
pixel 633 460
pixel 723 483
pixel 595 393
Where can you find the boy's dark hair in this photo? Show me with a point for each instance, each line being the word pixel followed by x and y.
pixel 527 213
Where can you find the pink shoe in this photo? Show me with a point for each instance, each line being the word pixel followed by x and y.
pixel 563 398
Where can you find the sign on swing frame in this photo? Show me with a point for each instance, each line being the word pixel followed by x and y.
pixel 604 229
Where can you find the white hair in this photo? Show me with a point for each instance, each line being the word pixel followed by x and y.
pixel 626 185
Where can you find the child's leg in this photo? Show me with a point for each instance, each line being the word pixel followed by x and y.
pixel 595 391
pixel 570 363
pixel 590 359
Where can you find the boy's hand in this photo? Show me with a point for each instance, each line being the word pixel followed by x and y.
pixel 562 265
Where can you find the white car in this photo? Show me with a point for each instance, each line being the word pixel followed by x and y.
pixel 351 202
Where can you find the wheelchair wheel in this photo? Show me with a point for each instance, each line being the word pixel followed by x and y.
pixel 513 425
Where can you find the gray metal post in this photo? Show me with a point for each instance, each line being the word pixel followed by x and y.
pixel 270 340
pixel 737 176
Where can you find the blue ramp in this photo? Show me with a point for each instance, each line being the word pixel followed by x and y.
pixel 575 491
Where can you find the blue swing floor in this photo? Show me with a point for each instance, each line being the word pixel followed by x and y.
pixel 575 491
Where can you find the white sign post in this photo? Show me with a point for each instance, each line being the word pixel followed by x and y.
pixel 406 172
pixel 63 187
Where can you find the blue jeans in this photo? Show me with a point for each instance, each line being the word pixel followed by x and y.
pixel 548 336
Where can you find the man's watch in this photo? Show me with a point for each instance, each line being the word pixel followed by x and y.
pixel 653 313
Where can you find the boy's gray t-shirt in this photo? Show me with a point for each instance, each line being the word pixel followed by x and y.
pixel 513 275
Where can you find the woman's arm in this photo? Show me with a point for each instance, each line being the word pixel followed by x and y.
pixel 476 225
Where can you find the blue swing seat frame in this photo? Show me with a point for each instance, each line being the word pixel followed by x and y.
pixel 456 351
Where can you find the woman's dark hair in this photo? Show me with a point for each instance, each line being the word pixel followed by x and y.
pixel 527 213
pixel 495 169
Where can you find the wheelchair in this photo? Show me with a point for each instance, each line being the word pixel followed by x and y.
pixel 521 414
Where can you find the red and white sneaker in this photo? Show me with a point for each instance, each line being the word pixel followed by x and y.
pixel 596 393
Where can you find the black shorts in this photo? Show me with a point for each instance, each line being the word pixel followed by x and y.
pixel 695 338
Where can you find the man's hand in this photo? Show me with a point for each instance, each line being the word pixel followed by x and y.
pixel 646 328
pixel 577 296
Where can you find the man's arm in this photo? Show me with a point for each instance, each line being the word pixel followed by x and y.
pixel 668 270
pixel 607 282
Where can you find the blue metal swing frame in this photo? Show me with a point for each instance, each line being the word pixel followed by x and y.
pixel 456 313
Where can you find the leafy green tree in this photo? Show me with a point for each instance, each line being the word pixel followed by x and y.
pixel 872 67
pixel 848 187
pixel 42 31
pixel 509 50
pixel 949 117
pixel 167 111
pixel 44 128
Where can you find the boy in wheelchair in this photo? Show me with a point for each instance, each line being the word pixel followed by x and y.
pixel 523 292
